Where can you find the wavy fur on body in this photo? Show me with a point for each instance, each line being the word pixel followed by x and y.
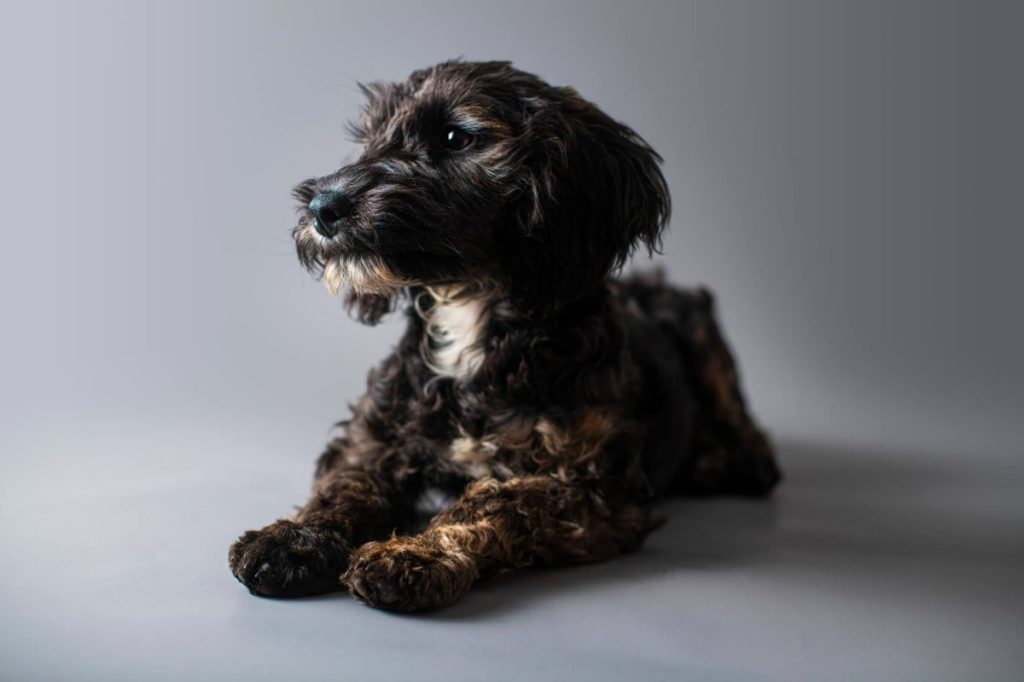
pixel 535 407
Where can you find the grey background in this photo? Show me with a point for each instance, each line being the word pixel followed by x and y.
pixel 846 176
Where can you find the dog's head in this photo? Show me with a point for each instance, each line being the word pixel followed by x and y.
pixel 481 174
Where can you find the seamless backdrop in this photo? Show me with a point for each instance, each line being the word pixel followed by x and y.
pixel 846 176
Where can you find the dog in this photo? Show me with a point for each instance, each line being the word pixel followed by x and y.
pixel 537 406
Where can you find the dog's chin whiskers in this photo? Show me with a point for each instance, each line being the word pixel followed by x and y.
pixel 363 275
pixel 333 276
pixel 318 238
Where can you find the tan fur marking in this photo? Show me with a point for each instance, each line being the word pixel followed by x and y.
pixel 463 539
pixel 576 444
pixel 475 454
pixel 363 275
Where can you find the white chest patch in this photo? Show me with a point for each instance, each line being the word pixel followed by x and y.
pixel 455 323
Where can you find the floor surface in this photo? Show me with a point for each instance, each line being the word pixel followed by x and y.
pixel 868 564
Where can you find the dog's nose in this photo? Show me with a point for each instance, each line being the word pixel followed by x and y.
pixel 329 209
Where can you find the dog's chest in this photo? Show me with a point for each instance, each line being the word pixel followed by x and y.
pixel 430 502
pixel 454 325
pixel 466 458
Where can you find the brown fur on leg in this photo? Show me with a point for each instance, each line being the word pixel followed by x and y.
pixel 416 573
pixel 536 519
pixel 305 555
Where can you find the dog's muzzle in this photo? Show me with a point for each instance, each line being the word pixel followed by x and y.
pixel 330 209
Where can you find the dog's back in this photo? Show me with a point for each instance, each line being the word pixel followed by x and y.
pixel 699 436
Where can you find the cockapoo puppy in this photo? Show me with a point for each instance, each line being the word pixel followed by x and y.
pixel 535 407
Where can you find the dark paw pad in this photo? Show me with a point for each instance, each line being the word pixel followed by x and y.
pixel 404 574
pixel 289 560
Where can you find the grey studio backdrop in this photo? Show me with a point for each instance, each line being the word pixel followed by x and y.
pixel 846 176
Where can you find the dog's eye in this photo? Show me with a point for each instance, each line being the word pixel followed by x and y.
pixel 456 139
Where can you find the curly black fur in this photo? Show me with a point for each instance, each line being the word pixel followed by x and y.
pixel 576 398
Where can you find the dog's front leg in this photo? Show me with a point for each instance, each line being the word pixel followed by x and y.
pixel 307 553
pixel 494 526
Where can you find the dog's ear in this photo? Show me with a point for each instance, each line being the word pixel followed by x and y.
pixel 592 192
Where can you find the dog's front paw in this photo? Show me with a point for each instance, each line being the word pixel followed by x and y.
pixel 408 574
pixel 286 559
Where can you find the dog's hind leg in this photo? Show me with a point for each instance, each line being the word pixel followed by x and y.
pixel 729 453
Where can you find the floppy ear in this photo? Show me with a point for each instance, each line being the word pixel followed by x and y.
pixel 593 192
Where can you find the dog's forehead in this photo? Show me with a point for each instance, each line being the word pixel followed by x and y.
pixel 430 96
pixel 426 92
